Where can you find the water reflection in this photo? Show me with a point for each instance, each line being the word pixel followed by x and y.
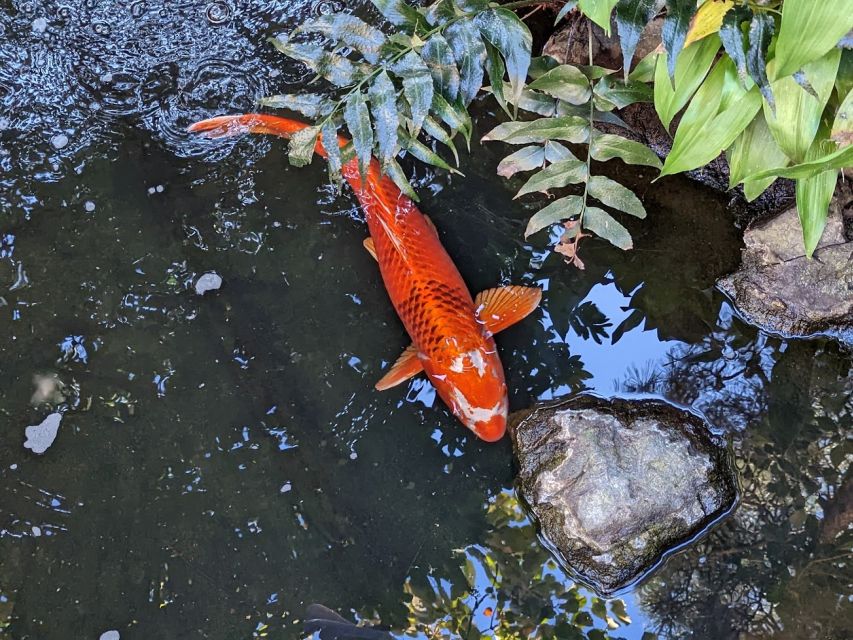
pixel 224 460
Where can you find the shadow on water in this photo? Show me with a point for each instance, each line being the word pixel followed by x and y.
pixel 224 460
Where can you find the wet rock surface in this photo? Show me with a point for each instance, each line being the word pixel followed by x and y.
pixel 780 290
pixel 616 484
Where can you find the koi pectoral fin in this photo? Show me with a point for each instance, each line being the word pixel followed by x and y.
pixel 371 247
pixel 502 307
pixel 407 366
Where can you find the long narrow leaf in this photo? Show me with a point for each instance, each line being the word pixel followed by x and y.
pixel 798 113
pixel 525 159
pixel 604 226
pixel 838 159
pixel 333 151
pixel 509 35
pixel 417 87
pixel 348 30
pixel 693 64
pixel 561 209
pixel 760 33
pixel 470 53
pixel 383 108
pixel 708 20
pixel 753 151
pixel 606 146
pixel 809 29
pixel 615 195
pixel 813 197
pixel 439 58
pixel 675 27
pixel 357 118
pixel 632 16
pixel 569 128
pixel 556 176
pixel 396 173
pixel 717 114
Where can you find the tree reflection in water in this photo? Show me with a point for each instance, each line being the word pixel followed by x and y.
pixel 509 587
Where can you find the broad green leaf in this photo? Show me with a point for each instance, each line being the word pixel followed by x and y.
pixel 439 58
pixel 753 151
pixel 614 195
pixel 525 159
pixel 470 54
pixel 561 209
pixel 417 87
pixel 569 128
pixel 566 109
pixel 496 70
pixel 398 12
pixel 838 159
pixel 349 30
pixel 336 69
pixel 598 11
pixel 645 69
pixel 329 134
pixel 717 114
pixel 554 152
pixel 604 226
pixel 357 118
pixel 555 176
pixel 435 131
pixel 760 33
pixel 813 197
pixel 842 127
pixel 632 16
pixel 509 35
pixel 798 113
pixel 621 93
pixel 422 152
pixel 565 83
pixel 606 146
pixel 693 64
pixel 571 4
pixel 386 120
pixel 809 29
pixel 310 105
pixel 541 65
pixel 439 12
pixel 674 32
pixel 301 147
pixel 708 20
pixel 396 173
pixel 732 37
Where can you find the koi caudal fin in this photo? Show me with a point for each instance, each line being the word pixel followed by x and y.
pixel 227 126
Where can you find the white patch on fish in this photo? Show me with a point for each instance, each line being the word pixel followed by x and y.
pixel 472 415
pixel 471 360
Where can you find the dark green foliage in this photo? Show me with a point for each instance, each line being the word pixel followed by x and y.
pixel 675 26
pixel 632 16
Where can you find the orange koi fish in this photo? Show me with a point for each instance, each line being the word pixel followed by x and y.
pixel 451 332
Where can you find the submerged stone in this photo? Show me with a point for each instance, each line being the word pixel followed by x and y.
pixel 780 290
pixel 208 282
pixel 616 484
pixel 41 436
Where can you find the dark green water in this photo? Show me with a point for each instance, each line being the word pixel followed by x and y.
pixel 223 461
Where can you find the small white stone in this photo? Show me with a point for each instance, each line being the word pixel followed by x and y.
pixel 36 532
pixel 41 436
pixel 286 487
pixel 59 141
pixel 39 25
pixel 89 206
pixel 112 634
pixel 208 282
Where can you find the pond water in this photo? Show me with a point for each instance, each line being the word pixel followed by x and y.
pixel 223 460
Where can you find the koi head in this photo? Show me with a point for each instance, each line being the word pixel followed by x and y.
pixel 472 384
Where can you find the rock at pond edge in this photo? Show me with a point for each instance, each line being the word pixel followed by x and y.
pixel 617 484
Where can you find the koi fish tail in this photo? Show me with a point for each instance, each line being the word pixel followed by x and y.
pixel 226 126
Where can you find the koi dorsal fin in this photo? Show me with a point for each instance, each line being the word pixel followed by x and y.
pixel 407 366
pixel 370 245
pixel 502 307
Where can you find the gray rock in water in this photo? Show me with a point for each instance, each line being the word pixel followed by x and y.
pixel 780 290
pixel 616 484
pixel 112 634
pixel 41 436
pixel 208 282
